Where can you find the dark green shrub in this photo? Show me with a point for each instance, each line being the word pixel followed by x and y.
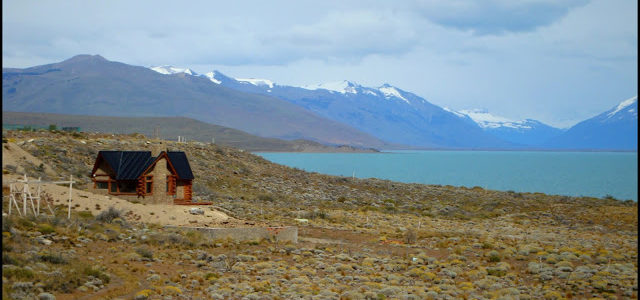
pixel 85 215
pixel 46 228
pixel 90 271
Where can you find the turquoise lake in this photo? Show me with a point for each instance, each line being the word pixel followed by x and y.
pixel 595 174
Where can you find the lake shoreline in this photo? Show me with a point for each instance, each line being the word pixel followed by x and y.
pixel 576 174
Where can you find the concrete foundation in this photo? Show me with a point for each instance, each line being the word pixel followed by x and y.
pixel 281 234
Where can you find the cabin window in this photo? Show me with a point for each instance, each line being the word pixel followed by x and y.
pixel 149 184
pixel 127 187
pixel 102 185
pixel 113 187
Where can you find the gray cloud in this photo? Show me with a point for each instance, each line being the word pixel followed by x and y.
pixel 348 35
pixel 496 16
pixel 530 58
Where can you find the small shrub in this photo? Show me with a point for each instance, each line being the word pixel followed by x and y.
pixel 410 236
pixel 266 198
pixel 144 294
pixel 8 259
pixel 7 224
pixel 11 168
pixel 316 213
pixel 494 256
pixel 195 238
pixel 91 271
pixel 107 216
pixel 24 223
pixel 18 273
pixel 211 276
pixel 85 215
pixel 45 228
pixel 145 252
pixel 171 290
pixel 487 245
pixel 52 258
pixel 496 272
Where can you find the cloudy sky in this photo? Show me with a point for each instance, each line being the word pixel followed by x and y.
pixel 556 61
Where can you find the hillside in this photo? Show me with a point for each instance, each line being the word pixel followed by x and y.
pixel 92 85
pixel 360 238
pixel 170 128
pixel 614 129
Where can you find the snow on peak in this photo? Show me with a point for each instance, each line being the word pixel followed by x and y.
pixel 623 105
pixel 167 70
pixel 486 120
pixel 459 114
pixel 256 81
pixel 342 87
pixel 390 91
pixel 212 77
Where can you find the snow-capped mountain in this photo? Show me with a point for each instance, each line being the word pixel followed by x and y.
pixel 386 112
pixel 487 120
pixel 526 132
pixel 167 70
pixel 257 82
pixel 616 128
pixel 627 109
pixel 401 117
pixel 214 76
pixel 342 87
pixel 347 87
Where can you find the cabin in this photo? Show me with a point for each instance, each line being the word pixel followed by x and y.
pixel 165 178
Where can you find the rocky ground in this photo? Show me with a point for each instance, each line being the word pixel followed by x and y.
pixel 359 239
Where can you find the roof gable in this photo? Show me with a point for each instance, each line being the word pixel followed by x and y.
pixel 181 164
pixel 127 165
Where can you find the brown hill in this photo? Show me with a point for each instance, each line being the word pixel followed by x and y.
pixel 170 128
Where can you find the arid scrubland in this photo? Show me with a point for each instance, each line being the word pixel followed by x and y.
pixel 358 238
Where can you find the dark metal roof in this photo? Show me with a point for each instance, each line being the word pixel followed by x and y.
pixel 128 165
pixel 181 164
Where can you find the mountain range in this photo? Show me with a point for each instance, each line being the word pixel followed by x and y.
pixel 387 112
pixel 92 85
pixel 398 116
pixel 333 113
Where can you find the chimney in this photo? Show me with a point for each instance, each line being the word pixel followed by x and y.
pixel 156 148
